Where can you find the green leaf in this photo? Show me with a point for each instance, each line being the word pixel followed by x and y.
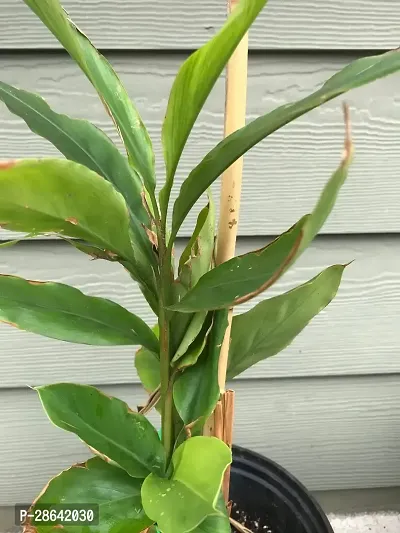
pixel 107 425
pixel 181 503
pixel 187 252
pixel 358 73
pixel 195 261
pixel 62 312
pixel 240 277
pixel 216 523
pixel 273 324
pixel 147 364
pixel 79 141
pixel 325 203
pixel 55 18
pixel 196 391
pixel 82 142
pixel 94 483
pixel 197 257
pixel 194 82
pixel 60 196
pixel 244 277
pixel 195 350
pixel 191 333
pixel 105 81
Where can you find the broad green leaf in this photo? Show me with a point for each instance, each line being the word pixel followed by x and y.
pixel 273 324
pixel 60 196
pixel 358 73
pixel 243 275
pixel 94 483
pixel 183 502
pixel 105 81
pixel 147 364
pixel 79 141
pixel 196 391
pixel 192 332
pixel 197 257
pixel 62 312
pixel 82 142
pixel 107 425
pixel 194 82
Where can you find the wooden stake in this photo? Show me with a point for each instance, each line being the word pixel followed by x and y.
pixel 228 403
pixel 219 421
pixel 235 118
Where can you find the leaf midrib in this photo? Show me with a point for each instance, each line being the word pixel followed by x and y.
pixel 230 282
pixel 110 440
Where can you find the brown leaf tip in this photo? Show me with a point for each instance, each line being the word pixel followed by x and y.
pixel 348 144
pixel 72 220
pixel 151 236
pixel 7 164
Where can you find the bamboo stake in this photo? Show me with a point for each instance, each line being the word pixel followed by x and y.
pixel 228 404
pixel 235 118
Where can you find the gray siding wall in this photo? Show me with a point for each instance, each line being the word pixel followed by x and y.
pixel 328 407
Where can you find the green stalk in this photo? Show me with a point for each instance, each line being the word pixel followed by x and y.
pixel 165 375
pixel 165 286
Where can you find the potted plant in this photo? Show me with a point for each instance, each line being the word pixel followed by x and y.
pixel 105 205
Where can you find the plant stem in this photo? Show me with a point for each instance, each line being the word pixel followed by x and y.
pixel 167 421
pixel 166 388
pixel 165 285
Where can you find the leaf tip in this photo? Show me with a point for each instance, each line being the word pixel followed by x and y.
pixel 348 143
pixel 348 264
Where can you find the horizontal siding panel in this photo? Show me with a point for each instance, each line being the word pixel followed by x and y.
pixel 293 163
pixel 178 24
pixel 358 333
pixel 333 433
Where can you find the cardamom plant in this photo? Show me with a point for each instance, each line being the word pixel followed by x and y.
pixel 105 204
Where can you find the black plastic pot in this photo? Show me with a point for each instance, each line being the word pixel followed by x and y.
pixel 267 499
